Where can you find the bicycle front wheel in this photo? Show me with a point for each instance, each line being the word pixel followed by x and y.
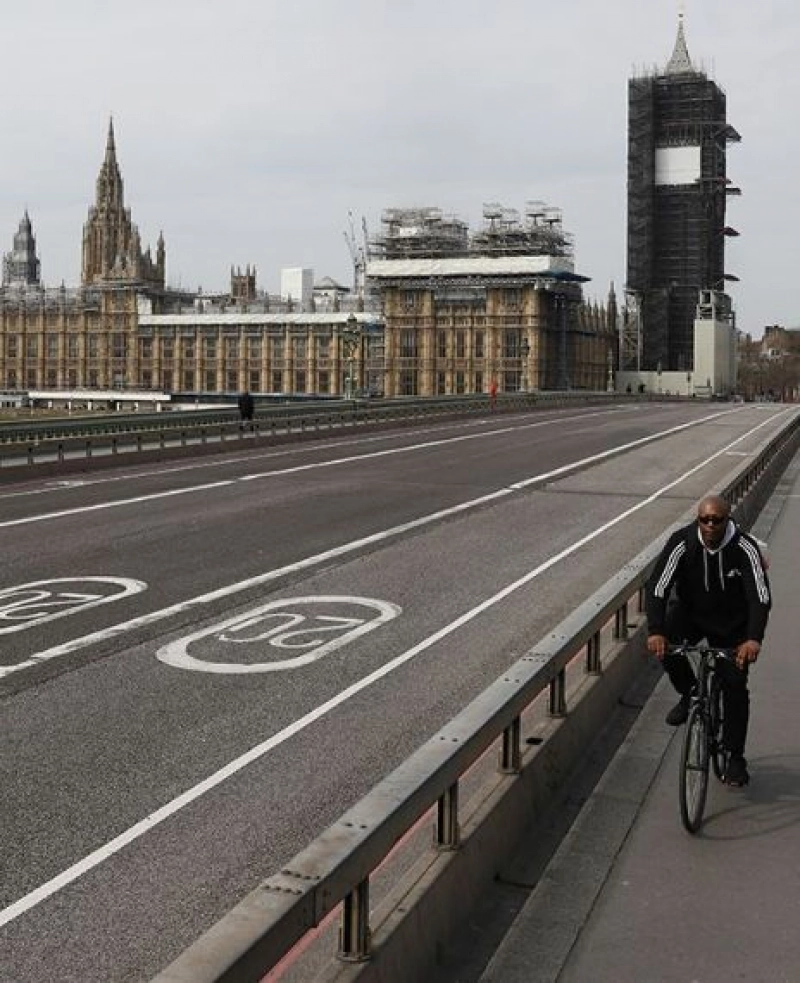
pixel 694 770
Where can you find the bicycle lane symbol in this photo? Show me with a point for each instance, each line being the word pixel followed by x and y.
pixel 29 605
pixel 289 629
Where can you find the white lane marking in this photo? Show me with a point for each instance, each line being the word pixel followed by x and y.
pixel 283 628
pixel 113 631
pixel 94 859
pixel 28 605
pixel 337 462
pixel 350 441
pixel 327 443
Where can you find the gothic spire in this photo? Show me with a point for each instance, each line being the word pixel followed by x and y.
pixel 111 147
pixel 109 181
pixel 680 63
pixel 112 247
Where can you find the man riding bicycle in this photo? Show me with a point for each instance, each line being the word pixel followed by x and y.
pixel 722 594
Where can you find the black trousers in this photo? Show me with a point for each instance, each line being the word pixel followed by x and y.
pixel 735 694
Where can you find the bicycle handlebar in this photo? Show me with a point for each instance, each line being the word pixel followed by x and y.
pixel 704 649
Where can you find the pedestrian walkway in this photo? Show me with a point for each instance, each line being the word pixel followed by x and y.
pixel 630 896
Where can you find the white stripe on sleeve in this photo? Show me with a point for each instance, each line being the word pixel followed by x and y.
pixel 668 572
pixel 752 554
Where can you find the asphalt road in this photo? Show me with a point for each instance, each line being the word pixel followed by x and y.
pixel 203 664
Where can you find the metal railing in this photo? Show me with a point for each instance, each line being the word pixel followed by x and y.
pixel 336 868
pixel 57 441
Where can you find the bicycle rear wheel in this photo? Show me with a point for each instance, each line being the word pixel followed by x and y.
pixel 694 770
pixel 719 755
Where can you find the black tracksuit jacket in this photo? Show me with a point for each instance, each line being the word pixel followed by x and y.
pixel 724 594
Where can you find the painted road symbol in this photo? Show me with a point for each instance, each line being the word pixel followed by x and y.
pixel 295 631
pixel 40 601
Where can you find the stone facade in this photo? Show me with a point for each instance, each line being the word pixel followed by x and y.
pixel 503 304
pixel 513 314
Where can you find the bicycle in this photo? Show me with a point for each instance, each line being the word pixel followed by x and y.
pixel 702 740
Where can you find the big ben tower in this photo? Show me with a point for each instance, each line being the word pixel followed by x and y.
pixel 677 194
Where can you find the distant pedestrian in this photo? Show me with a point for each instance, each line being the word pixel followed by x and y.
pixel 493 394
pixel 246 407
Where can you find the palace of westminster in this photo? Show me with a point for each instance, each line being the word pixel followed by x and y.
pixel 436 308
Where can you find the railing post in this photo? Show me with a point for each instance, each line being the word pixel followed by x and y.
pixel 447 831
pixel 621 622
pixel 558 695
pixel 594 664
pixel 511 749
pixel 355 942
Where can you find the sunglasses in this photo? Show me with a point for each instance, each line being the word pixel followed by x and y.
pixel 711 520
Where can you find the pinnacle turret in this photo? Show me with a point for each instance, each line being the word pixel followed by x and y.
pixel 21 266
pixel 111 147
pixel 110 191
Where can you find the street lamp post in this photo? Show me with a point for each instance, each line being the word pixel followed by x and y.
pixel 563 366
pixel 525 350
pixel 351 335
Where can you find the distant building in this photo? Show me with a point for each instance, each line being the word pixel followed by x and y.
pixel 446 311
pixel 329 295
pixel 243 284
pixel 677 194
pixel 297 287
pixel 502 304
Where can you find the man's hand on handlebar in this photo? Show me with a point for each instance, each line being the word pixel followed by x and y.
pixel 658 645
pixel 747 652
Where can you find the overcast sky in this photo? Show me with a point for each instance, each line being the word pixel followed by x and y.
pixel 247 130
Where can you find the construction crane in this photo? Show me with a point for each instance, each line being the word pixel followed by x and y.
pixel 358 253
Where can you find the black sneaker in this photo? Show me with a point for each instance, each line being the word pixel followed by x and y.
pixel 736 773
pixel 679 713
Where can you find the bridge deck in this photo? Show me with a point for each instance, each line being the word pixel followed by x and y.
pixel 630 895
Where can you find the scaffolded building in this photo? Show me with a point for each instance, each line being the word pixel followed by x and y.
pixel 502 305
pixel 677 193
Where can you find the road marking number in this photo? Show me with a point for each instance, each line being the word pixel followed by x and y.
pixel 29 605
pixel 295 631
